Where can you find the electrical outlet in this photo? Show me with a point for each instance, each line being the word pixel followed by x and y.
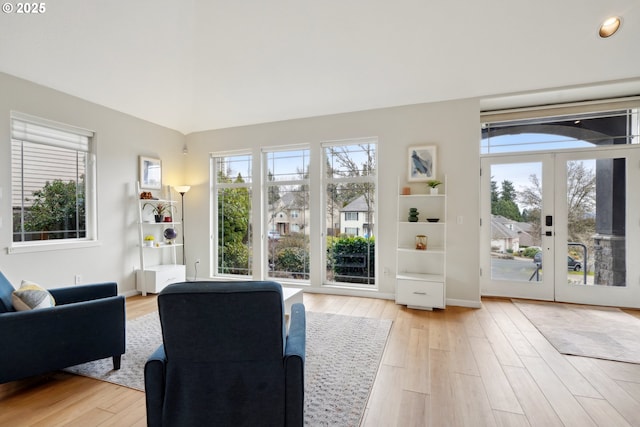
pixel 77 279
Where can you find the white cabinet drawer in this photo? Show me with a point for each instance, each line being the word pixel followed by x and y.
pixel 417 293
pixel 157 278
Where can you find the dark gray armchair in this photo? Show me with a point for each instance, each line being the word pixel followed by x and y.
pixel 226 358
pixel 87 323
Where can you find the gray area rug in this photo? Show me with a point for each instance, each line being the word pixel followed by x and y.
pixel 589 331
pixel 343 356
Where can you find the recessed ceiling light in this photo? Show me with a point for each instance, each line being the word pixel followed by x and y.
pixel 609 27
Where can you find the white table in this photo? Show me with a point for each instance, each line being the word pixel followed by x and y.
pixel 291 296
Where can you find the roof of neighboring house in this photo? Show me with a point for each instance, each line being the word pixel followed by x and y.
pixel 500 231
pixel 505 228
pixel 357 205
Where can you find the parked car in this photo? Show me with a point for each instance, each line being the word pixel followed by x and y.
pixel 572 263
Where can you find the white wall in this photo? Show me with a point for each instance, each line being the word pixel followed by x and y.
pixel 120 139
pixel 452 126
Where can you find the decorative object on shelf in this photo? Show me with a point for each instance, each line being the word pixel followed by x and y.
pixel 413 214
pixel 170 234
pixel 433 184
pixel 433 219
pixel 421 242
pixel 146 195
pixel 168 219
pixel 406 191
pixel 182 189
pixel 148 240
pixel 160 209
pixel 422 163
pixel 150 173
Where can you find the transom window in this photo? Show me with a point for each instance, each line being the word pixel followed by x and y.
pixel 572 131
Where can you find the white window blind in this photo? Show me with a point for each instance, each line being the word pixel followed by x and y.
pixel 30 129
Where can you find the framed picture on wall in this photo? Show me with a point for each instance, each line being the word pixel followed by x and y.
pixel 150 173
pixel 422 163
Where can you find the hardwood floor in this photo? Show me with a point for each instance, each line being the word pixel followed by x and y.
pixel 455 367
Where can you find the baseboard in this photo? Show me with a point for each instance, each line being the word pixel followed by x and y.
pixel 132 293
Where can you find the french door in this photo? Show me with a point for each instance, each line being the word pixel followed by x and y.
pixel 562 226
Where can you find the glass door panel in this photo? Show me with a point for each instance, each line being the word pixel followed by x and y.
pixel 514 203
pixel 593 207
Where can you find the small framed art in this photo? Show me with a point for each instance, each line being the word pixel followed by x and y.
pixel 422 163
pixel 150 173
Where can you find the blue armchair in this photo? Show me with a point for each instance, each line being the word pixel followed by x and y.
pixel 226 358
pixel 87 323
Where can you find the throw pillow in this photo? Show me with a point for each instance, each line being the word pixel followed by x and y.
pixel 31 296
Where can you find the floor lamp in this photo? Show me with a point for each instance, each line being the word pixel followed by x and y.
pixel 183 189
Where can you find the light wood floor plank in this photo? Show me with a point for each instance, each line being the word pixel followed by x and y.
pixel 417 377
pixel 413 410
pixel 602 412
pixel 501 346
pixel 507 419
pixel 443 411
pixel 610 390
pixel 563 402
pixel 498 388
pixel 535 405
pixel 471 401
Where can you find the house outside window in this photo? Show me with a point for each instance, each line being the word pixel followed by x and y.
pixel 52 183
pixel 232 218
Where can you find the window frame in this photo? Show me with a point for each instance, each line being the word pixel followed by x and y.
pixel 215 186
pixel 325 181
pixel 20 134
pixel 265 187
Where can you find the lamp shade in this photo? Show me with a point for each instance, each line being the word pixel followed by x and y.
pixel 182 188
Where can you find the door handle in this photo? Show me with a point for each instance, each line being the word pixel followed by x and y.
pixel 548 221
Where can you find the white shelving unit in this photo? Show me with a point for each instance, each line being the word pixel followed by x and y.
pixel 421 274
pixel 158 263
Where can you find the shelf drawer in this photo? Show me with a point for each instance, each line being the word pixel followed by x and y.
pixel 418 293
pixel 157 278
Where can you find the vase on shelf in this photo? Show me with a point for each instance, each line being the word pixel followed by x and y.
pixel 413 215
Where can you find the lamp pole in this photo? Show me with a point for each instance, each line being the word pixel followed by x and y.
pixel 183 189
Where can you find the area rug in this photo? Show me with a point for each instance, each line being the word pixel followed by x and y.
pixel 343 355
pixel 589 331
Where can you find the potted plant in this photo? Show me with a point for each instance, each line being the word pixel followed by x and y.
pixel 148 240
pixel 159 209
pixel 433 183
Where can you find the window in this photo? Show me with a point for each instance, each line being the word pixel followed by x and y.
pixel 351 231
pixel 287 208
pixel 232 194
pixel 570 131
pixel 351 216
pixel 350 189
pixel 52 182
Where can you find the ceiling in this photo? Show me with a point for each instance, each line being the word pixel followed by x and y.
pixel 207 64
